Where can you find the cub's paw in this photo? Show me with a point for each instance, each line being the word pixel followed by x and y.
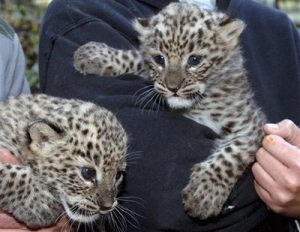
pixel 206 192
pixel 96 58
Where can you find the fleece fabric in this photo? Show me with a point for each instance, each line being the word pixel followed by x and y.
pixel 165 145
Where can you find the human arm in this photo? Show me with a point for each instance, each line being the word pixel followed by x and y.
pixel 12 63
pixel 9 224
pixel 277 170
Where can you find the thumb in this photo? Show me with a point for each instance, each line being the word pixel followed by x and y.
pixel 7 157
pixel 285 129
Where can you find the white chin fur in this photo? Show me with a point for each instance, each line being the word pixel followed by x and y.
pixel 179 103
pixel 78 217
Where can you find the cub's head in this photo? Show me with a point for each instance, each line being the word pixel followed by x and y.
pixel 184 48
pixel 82 158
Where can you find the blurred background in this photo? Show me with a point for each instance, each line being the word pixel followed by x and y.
pixel 25 17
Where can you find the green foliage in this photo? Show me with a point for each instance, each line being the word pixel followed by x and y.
pixel 25 18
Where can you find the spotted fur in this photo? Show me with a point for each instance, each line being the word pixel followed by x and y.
pixel 195 63
pixel 72 154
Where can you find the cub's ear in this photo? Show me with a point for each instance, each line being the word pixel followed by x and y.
pixel 141 24
pixel 43 136
pixel 230 29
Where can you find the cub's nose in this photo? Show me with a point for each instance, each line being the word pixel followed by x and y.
pixel 174 90
pixel 106 207
pixel 173 85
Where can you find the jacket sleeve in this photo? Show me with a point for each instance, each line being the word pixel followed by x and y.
pixel 12 64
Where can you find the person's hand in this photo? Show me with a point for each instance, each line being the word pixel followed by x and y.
pixel 9 224
pixel 277 170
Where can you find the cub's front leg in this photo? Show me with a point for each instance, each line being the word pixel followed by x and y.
pixel 26 198
pixel 212 181
pixel 100 59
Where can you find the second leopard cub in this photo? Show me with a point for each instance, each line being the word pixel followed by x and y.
pixel 72 154
pixel 194 61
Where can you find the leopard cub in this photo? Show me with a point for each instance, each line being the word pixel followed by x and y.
pixel 72 154
pixel 195 64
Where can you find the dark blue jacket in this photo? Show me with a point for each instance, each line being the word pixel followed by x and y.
pixel 169 144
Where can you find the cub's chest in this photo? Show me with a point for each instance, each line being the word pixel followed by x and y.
pixel 204 118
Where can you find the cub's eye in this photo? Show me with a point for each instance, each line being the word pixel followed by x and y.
pixel 88 173
pixel 119 175
pixel 159 59
pixel 194 60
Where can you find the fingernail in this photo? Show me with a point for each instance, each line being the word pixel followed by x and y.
pixel 269 139
pixel 272 126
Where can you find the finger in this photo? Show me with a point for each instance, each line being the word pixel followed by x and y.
pixel 268 199
pixel 62 226
pixel 285 129
pixel 262 193
pixel 270 191
pixel 7 157
pixel 13 230
pixel 263 179
pixel 8 222
pixel 271 166
pixel 280 149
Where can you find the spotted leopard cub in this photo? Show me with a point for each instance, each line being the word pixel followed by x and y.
pixel 72 154
pixel 194 61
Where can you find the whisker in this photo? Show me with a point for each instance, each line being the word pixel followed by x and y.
pixel 114 222
pixel 125 220
pixel 132 157
pixel 67 223
pixel 78 227
pixel 154 103
pixel 123 224
pixel 134 154
pixel 142 89
pixel 60 216
pixel 131 197
pixel 101 224
pixel 142 99
pixel 199 97
pixel 129 211
pixel 136 200
pixel 142 95
pixel 159 101
pixel 132 220
pixel 149 101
